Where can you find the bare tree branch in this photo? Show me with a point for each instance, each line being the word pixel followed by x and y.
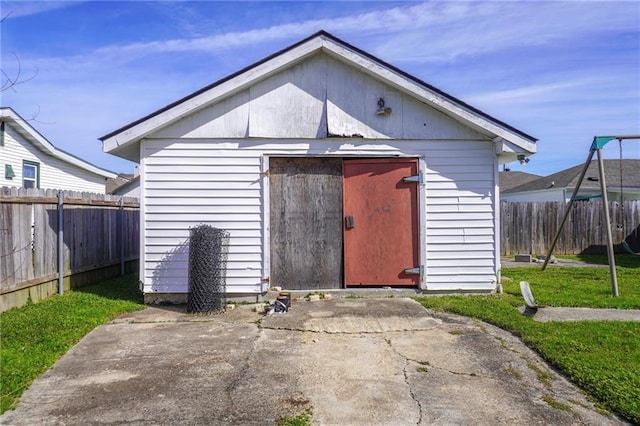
pixel 9 82
pixel 6 16
pixel 34 118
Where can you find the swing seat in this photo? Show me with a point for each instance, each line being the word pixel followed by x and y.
pixel 628 249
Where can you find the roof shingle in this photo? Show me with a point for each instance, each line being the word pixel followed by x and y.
pixel 568 178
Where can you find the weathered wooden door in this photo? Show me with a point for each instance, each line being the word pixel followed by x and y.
pixel 306 222
pixel 380 222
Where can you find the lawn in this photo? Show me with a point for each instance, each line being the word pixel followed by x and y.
pixel 602 357
pixel 36 335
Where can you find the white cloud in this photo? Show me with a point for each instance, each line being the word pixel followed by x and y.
pixel 91 92
pixel 478 28
pixel 432 32
pixel 425 32
pixel 16 9
pixel 529 94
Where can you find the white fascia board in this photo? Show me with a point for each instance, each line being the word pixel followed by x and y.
pixel 26 130
pixel 40 142
pixel 441 103
pixel 216 93
pixel 505 147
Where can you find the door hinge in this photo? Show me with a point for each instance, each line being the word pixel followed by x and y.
pixel 415 271
pixel 416 178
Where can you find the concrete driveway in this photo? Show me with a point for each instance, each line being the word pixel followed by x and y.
pixel 368 361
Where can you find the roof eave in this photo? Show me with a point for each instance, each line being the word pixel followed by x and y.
pixel 33 136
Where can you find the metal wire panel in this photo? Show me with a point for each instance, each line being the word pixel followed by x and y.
pixel 208 251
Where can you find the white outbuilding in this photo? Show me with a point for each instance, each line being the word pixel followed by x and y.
pixel 330 169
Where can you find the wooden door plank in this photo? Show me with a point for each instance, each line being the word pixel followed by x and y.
pixel 306 222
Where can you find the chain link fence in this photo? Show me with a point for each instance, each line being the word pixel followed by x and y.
pixel 208 252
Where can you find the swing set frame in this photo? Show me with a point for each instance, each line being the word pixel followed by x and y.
pixel 596 147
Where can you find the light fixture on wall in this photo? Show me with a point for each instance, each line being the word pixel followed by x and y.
pixel 523 160
pixel 382 110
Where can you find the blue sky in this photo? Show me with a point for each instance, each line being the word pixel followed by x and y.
pixel 560 71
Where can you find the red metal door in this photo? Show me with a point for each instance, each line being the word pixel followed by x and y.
pixel 381 222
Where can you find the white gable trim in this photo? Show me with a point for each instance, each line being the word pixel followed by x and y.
pixel 433 99
pixel 115 142
pixel 8 115
pixel 223 90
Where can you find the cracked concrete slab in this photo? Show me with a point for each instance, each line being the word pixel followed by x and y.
pixel 355 361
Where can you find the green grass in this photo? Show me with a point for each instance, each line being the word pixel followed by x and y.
pixel 36 335
pixel 602 357
pixel 302 419
pixel 584 287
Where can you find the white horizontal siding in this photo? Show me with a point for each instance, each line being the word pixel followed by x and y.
pixel 54 173
pixel 227 208
pixel 189 184
pixel 460 216
pixel 225 188
pixel 193 201
pixel 196 193
pixel 166 241
pixel 176 232
pixel 460 239
pixel 453 231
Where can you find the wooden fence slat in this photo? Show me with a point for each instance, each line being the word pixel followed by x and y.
pixel 28 237
pixel 529 227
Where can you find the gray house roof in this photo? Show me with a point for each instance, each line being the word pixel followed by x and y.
pixel 568 178
pixel 120 180
pixel 509 179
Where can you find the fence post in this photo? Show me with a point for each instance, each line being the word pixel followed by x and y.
pixel 60 242
pixel 122 231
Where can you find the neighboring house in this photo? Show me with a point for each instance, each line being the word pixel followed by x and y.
pixel 329 168
pixel 127 185
pixel 131 188
pixel 29 160
pixel 560 186
pixel 118 181
pixel 510 179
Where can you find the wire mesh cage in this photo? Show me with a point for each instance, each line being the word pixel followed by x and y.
pixel 208 251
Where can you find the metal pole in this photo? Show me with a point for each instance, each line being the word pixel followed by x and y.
pixel 567 209
pixel 60 243
pixel 122 228
pixel 607 220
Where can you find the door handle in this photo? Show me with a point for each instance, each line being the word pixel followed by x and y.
pixel 350 221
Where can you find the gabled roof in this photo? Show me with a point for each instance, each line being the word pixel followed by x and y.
pixel 509 179
pixel 568 178
pixel 133 182
pixel 8 115
pixel 510 138
pixel 120 180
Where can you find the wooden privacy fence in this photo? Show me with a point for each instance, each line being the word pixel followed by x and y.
pixel 38 258
pixel 529 227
